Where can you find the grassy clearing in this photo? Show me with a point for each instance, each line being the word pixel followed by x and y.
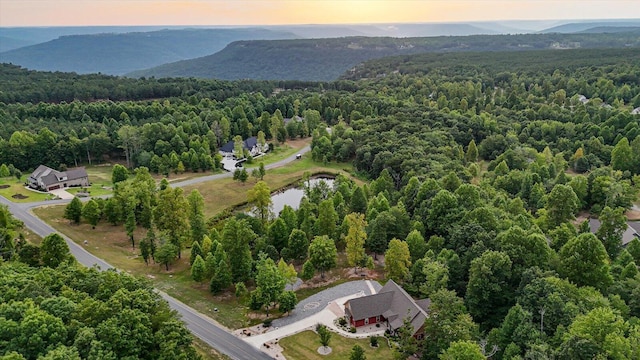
pixel 226 193
pixel 305 346
pixel 14 190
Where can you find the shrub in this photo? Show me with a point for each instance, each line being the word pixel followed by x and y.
pixel 342 321
pixel 373 341
pixel 267 322
pixel 352 330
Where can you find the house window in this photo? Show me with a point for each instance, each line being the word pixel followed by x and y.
pixel 366 321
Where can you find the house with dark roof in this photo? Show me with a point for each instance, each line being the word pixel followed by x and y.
pixel 390 306
pixel 631 232
pixel 47 179
pixel 250 144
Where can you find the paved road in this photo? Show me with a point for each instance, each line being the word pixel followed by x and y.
pixel 200 325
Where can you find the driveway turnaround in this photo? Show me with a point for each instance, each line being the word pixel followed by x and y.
pixel 313 311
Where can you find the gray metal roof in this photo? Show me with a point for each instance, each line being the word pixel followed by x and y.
pixel 76 173
pixel 631 232
pixel 394 304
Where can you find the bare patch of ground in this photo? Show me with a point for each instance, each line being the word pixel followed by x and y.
pixel 19 196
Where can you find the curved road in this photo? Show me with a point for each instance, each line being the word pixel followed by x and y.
pixel 200 325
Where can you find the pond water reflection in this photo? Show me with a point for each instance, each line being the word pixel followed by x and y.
pixel 292 196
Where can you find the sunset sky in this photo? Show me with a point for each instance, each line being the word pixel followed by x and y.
pixel 274 12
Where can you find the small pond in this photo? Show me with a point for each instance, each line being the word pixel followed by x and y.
pixel 293 195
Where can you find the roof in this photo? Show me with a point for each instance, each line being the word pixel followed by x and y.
pixel 288 120
pixel 247 144
pixel 49 176
pixel 631 232
pixel 394 304
pixel 76 173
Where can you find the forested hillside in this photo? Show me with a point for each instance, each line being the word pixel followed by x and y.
pixel 52 308
pixel 118 54
pixel 327 59
pixel 478 178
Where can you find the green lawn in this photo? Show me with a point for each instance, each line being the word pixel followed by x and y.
pixel 228 193
pixel 14 190
pixel 304 346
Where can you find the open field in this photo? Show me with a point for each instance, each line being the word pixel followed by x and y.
pixel 305 346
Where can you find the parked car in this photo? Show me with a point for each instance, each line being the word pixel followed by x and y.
pixel 299 156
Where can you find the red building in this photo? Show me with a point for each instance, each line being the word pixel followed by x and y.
pixel 390 307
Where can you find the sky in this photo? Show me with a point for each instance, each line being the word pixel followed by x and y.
pixel 280 12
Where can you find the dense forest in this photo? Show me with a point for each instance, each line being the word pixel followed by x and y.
pixel 480 180
pixel 327 59
pixel 52 308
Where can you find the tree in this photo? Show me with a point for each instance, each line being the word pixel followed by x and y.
pixel 407 345
pixel 323 253
pixel 562 203
pixel 622 157
pixel 358 201
pixel 355 239
pixel 73 211
pixel 584 261
pixel 489 283
pixel 196 251
pixel 130 225
pixel 260 197
pixel 599 334
pixel 195 204
pixel 4 171
pixel 327 218
pixel 472 152
pixel 112 211
pixel 448 321
pixel 197 269
pixel 297 246
pixel 171 216
pixel 54 250
pixel 397 260
pixel 463 350
pixel 288 271
pixel 435 275
pixel 613 224
pixel 119 174
pixel 236 236
pixel 222 277
pixel 238 147
pixel 308 270
pixel 145 250
pixel 91 212
pixel 417 245
pixel 325 335
pixel 278 235
pixel 269 280
pixel 166 254
pixel 262 171
pixel 287 301
pixel 357 353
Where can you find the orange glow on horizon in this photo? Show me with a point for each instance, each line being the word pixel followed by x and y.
pixel 281 12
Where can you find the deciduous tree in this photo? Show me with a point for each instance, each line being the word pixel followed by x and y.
pixel 323 254
pixel 355 239
pixel 397 260
pixel 73 211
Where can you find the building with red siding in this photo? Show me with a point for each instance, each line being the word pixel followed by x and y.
pixel 389 307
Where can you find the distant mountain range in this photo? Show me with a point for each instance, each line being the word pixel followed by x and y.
pixel 328 59
pixel 118 54
pixel 140 50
